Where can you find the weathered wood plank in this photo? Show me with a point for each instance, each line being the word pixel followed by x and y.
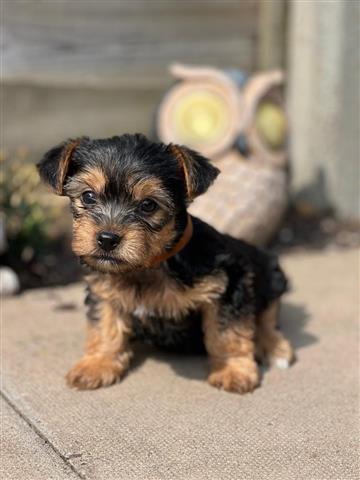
pixel 272 34
pixel 68 41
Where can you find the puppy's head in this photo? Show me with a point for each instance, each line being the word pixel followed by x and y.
pixel 128 196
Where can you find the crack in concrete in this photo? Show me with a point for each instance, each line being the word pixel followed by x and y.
pixel 40 434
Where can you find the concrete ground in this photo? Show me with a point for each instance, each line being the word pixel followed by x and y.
pixel 163 421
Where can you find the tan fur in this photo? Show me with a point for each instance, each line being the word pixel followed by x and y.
pixel 162 296
pixel 148 187
pixel 107 353
pixel 133 281
pixel 158 242
pixel 84 236
pixel 185 165
pixel 138 247
pixel 94 179
pixel 231 351
pixel 176 247
pixel 270 342
pixel 64 163
pixel 237 374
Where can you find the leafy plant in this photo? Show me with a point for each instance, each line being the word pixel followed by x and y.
pixel 26 218
pixel 33 247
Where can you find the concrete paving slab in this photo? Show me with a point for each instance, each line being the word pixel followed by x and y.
pixel 25 455
pixel 164 422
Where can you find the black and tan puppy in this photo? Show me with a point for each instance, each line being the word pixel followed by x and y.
pixel 158 273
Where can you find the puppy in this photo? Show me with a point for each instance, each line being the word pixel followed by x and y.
pixel 155 272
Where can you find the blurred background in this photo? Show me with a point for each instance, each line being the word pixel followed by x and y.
pixel 287 138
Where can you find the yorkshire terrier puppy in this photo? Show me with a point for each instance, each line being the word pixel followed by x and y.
pixel 157 273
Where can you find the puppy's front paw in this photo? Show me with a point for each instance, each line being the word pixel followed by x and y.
pixel 238 375
pixel 94 371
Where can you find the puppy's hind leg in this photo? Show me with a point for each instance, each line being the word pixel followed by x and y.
pixel 271 345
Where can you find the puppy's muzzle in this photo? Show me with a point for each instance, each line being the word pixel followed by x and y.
pixel 108 241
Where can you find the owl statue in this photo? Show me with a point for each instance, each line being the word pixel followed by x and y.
pixel 238 122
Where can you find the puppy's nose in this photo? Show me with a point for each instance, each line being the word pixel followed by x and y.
pixel 108 241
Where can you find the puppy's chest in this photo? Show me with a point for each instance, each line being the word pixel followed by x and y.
pixel 170 299
pixel 160 296
pixel 143 312
pixel 163 311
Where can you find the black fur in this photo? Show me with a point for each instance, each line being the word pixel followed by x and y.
pixel 48 167
pixel 209 251
pixel 126 155
pixel 185 336
pixel 201 172
pixel 254 278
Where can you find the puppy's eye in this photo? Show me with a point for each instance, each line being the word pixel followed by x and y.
pixel 88 197
pixel 148 206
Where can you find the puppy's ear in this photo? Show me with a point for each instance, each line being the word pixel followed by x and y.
pixel 55 165
pixel 197 171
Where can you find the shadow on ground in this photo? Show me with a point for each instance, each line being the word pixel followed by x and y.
pixel 293 321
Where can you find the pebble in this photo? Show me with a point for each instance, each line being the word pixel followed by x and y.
pixel 9 282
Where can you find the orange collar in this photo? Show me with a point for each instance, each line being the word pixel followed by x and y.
pixel 183 241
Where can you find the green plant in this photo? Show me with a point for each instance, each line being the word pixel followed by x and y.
pixel 37 248
pixel 27 219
